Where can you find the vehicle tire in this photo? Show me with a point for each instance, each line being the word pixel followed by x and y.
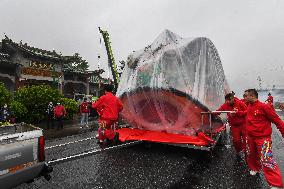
pixel 223 138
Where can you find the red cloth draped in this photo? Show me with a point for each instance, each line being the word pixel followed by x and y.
pixel 128 134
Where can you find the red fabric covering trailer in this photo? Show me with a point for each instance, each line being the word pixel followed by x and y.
pixel 205 139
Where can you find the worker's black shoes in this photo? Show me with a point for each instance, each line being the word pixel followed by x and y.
pixel 107 142
pixel 116 138
pixel 240 156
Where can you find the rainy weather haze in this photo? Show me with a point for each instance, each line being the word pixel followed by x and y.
pixel 247 34
pixel 158 94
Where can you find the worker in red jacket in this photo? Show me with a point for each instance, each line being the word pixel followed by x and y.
pixel 59 113
pixel 259 118
pixel 108 107
pixel 85 111
pixel 236 120
pixel 269 99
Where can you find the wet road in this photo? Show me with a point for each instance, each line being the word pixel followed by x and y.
pixel 160 166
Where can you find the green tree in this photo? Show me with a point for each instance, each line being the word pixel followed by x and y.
pixel 71 107
pixel 77 63
pixel 18 110
pixel 5 96
pixel 35 99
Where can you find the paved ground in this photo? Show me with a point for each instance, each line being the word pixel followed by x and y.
pixel 160 166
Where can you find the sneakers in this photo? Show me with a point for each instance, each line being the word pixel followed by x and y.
pixel 107 142
pixel 273 187
pixel 238 157
pixel 253 172
pixel 100 141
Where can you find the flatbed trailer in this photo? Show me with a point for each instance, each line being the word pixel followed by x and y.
pixel 215 136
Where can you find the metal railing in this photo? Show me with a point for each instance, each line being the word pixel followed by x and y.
pixel 210 119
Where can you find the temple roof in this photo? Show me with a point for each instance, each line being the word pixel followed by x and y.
pixel 53 55
pixel 8 43
pixel 5 58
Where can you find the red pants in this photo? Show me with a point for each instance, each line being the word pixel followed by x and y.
pixel 239 138
pixel 106 129
pixel 261 156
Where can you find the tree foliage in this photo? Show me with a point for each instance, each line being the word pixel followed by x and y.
pixel 35 99
pixel 18 110
pixel 71 107
pixel 77 63
pixel 5 96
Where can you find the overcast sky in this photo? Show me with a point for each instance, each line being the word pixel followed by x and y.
pixel 248 34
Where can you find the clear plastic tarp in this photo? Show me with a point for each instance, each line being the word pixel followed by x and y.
pixel 165 86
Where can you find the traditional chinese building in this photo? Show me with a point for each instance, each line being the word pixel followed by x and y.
pixel 9 71
pixel 22 65
pixel 78 82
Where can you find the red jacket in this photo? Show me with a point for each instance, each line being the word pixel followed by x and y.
pixel 84 107
pixel 259 118
pixel 239 118
pixel 108 106
pixel 243 101
pixel 59 111
pixel 269 99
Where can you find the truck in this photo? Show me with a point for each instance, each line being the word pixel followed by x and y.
pixel 22 155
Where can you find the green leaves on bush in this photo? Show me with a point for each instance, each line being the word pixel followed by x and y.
pixel 5 96
pixel 19 110
pixel 30 103
pixel 71 107
pixel 35 99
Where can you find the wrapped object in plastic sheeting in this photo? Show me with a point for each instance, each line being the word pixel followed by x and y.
pixel 167 85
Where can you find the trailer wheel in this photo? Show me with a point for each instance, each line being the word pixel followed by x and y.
pixel 47 177
pixel 223 138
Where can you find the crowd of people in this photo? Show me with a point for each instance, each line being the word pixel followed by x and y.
pixel 250 124
pixel 107 107
pixel 6 115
